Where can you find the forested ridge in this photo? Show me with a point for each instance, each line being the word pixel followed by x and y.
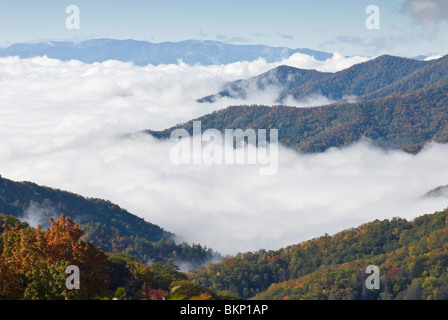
pixel 404 121
pixel 362 79
pixel 412 257
pixel 285 77
pixel 374 78
pixel 104 224
pixel 399 103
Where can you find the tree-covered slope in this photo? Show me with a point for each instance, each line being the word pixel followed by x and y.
pixel 15 198
pixel 403 121
pixel 412 257
pixel 104 224
pixel 360 79
pixel 433 72
pixel 282 77
pixel 376 77
pixel 33 264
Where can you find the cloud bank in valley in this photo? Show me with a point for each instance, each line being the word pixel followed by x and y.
pixel 61 125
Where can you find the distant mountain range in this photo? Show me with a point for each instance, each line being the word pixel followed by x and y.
pixel 401 103
pixel 141 53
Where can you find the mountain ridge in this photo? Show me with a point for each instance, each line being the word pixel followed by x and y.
pixel 141 53
pixel 361 78
pixel 359 81
pixel 284 77
pixel 405 121
pixel 333 267
pixel 104 223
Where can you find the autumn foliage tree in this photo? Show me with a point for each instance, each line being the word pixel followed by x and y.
pixel 33 261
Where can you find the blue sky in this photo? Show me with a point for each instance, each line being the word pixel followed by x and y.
pixel 407 27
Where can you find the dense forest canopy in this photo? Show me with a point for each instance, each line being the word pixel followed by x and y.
pixel 403 121
pixel 412 257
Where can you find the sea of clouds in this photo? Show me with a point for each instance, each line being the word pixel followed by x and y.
pixel 62 125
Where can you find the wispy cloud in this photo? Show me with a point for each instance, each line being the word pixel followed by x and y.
pixel 284 35
pixel 378 44
pixel 220 37
pixel 427 13
pixel 231 39
pixel 39 214
pixel 237 39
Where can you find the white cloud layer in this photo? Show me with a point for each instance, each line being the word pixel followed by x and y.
pixel 59 123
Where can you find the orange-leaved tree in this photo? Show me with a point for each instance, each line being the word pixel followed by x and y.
pixel 33 262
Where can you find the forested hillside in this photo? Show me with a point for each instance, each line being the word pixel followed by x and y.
pixel 403 121
pixel 283 77
pixel 33 264
pixel 360 79
pixel 104 224
pixel 433 72
pixel 375 78
pixel 412 257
